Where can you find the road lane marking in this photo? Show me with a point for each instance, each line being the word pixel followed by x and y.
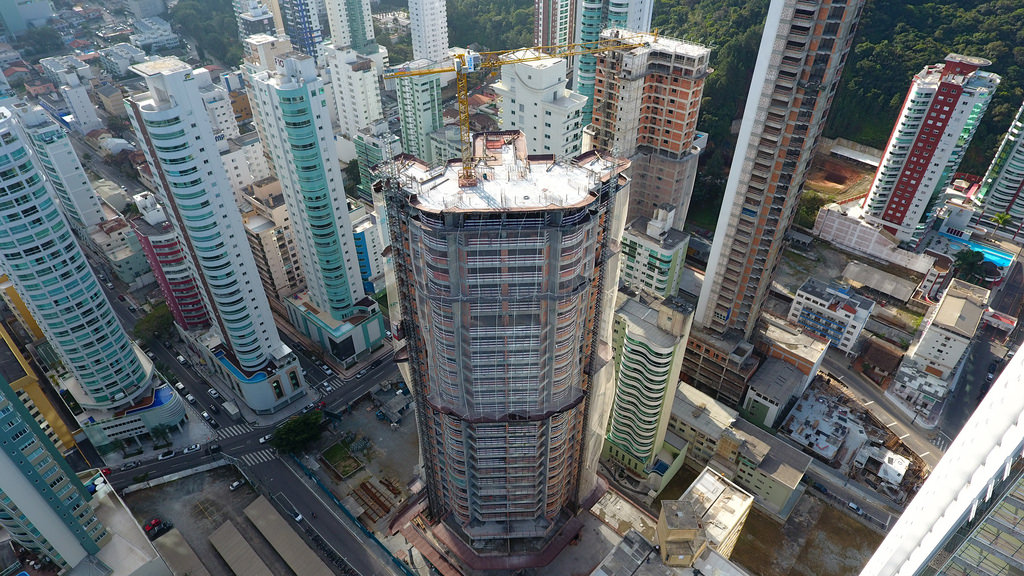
pixel 869 403
pixel 905 435
pixel 925 454
pixel 891 424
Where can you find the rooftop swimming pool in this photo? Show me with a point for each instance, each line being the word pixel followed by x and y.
pixel 997 257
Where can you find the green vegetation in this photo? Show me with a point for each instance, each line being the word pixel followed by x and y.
pixel 807 211
pixel 157 324
pixel 212 24
pixel 494 24
pixel 40 41
pixel 968 264
pixel 1000 219
pixel 339 458
pixel 297 434
pixel 897 39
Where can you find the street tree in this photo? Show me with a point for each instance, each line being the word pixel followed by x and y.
pixel 299 433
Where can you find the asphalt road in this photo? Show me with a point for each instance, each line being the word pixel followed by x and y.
pixel 873 398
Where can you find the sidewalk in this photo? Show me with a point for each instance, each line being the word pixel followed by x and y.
pixel 194 431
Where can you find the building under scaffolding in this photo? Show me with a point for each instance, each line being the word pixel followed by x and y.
pixel 506 289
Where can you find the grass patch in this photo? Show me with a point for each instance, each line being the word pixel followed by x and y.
pixel 338 457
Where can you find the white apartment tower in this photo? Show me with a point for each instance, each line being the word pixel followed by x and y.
pixel 941 112
pixel 429 22
pixel 351 25
pixel 1001 188
pixel 62 168
pixel 966 518
pixel 49 271
pixel 178 138
pixel 535 100
pixel 356 89
pixel 419 108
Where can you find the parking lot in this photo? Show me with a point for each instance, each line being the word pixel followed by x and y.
pixel 198 505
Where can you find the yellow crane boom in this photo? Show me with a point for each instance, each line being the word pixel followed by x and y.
pixel 469 62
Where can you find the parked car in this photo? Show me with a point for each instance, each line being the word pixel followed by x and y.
pixel 192 448
pixel 214 408
pixel 820 487
pixel 361 374
pixel 166 455
pixel 213 448
pixel 213 393
pixel 179 387
pixel 206 415
pixel 214 424
pixel 235 485
pixel 180 359
pixel 298 517
pixel 855 508
pixel 190 398
pixel 129 466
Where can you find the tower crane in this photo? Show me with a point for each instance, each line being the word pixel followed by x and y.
pixel 469 62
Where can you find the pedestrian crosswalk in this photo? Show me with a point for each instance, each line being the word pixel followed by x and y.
pixel 234 430
pixel 940 442
pixel 265 455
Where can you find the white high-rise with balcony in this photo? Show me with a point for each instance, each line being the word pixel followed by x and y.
pixel 49 271
pixel 428 20
pixel 419 108
pixel 62 168
pixel 1001 188
pixel 536 102
pixel 356 90
pixel 939 117
pixel 178 138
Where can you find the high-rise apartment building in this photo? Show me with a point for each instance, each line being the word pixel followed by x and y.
pixel 333 310
pixel 419 109
pixel 43 504
pixel 178 139
pixel 649 341
pixel 940 114
pixel 1001 188
pixel 653 254
pixel 48 268
pixel 351 25
pixel 506 287
pixel 646 100
pixel 301 19
pixel 537 103
pixel 966 518
pixel 272 239
pixel 60 163
pixel 428 20
pixel 166 252
pixel 802 53
pixel 356 90
pixel 255 19
pixel 554 22
pixel 592 17
pixel 374 143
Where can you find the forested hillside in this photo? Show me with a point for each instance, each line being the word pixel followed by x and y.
pixel 212 24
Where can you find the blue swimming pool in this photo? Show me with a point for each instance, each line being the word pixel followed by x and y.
pixel 997 257
pixel 257 377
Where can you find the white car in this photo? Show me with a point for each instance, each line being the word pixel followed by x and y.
pixel 192 448
pixel 180 359
pixel 235 485
pixel 267 438
pixel 179 386
pixel 298 517
pixel 213 394
pixel 190 398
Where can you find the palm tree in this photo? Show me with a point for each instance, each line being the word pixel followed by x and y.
pixel 1000 219
pixel 968 263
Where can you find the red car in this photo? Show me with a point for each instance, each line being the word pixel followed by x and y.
pixel 152 524
pixel 105 471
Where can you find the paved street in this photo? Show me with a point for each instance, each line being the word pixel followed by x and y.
pixel 873 398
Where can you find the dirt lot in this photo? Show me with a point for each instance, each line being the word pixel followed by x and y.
pixel 818 540
pixel 197 506
pixel 837 178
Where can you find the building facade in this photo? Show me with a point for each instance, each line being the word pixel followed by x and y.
pixel 940 114
pixel 592 18
pixel 245 350
pixel 50 272
pixel 351 25
pixel 43 504
pixel 554 22
pixel 60 163
pixel 166 253
pixel 334 309
pixel 1003 182
pixel 374 143
pixel 653 254
pixel 428 23
pixel 709 514
pixel 356 90
pixel 537 102
pixel 649 340
pixel 302 25
pixel 645 105
pixel 272 239
pixel 419 108
pixel 506 314
pixel 832 311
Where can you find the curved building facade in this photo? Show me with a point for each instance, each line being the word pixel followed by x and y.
pixel 48 268
pixel 503 286
pixel 1002 190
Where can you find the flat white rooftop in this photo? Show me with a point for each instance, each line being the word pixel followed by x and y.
pixel 507 179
